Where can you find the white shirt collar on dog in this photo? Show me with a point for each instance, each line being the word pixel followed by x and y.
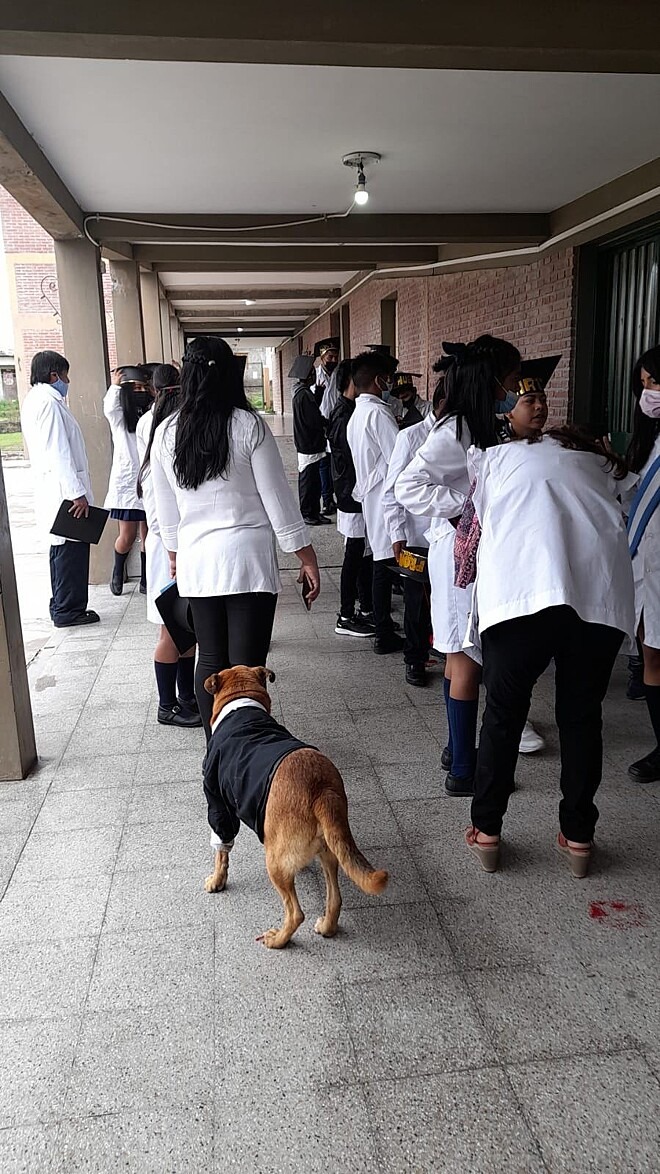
pixel 239 703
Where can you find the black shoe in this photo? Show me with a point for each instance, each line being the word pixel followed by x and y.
pixel 331 508
pixel 176 716
pixel 416 675
pixel 388 644
pixel 117 585
pixel 143 588
pixel 367 618
pixel 351 626
pixel 462 788
pixel 190 704
pixel 85 617
pixel 397 587
pixel 320 521
pixel 646 770
pixel 635 690
pixel 445 759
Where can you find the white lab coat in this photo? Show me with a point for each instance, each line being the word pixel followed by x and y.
pixel 57 454
pixel 351 525
pixel 646 569
pixel 435 486
pixel 158 563
pixel 224 532
pixel 402 525
pixel 122 487
pixel 553 535
pixel 371 435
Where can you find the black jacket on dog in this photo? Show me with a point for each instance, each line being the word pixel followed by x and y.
pixel 245 750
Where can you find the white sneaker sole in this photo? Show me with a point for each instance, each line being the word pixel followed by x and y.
pixel 357 635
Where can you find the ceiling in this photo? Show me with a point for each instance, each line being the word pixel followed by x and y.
pixel 201 137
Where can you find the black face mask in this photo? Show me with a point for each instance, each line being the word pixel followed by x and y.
pixel 330 367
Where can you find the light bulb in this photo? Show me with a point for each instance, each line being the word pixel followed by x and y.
pixel 249 302
pixel 361 193
pixel 240 329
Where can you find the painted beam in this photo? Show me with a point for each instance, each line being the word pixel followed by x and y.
pixel 29 177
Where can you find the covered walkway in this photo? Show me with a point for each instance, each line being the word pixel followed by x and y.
pixel 460 1023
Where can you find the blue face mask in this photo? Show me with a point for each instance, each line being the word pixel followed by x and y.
pixel 503 406
pixel 60 386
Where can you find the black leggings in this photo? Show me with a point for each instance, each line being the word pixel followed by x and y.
pixel 230 630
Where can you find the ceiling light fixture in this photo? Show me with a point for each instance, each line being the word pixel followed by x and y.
pixel 358 160
pixel 249 302
pixel 240 329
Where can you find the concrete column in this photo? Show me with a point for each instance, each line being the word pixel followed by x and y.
pixel 174 338
pixel 182 340
pixel 150 299
pixel 127 312
pixel 86 348
pixel 165 329
pixel 18 752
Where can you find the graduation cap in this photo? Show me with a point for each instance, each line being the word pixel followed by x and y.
pixel 381 348
pixel 535 374
pixel 326 344
pixel 133 375
pixel 302 367
pixel 175 614
pixel 405 379
pixel 240 361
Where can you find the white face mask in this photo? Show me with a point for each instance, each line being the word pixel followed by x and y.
pixel 649 402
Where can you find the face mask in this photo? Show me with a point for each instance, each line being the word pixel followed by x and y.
pixel 506 405
pixel 60 386
pixel 649 402
pixel 330 367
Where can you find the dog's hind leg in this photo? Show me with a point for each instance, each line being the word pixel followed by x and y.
pixel 283 881
pixel 327 925
pixel 216 882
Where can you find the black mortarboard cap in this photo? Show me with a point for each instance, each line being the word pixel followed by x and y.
pixel 405 379
pixel 535 374
pixel 175 614
pixel 325 344
pixel 302 367
pixel 381 348
pixel 133 374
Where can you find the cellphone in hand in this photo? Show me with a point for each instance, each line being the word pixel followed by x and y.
pixel 306 590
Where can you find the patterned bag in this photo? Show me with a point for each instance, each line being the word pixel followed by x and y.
pixel 466 544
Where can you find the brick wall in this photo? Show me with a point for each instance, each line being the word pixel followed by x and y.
pixel 532 305
pixel 33 295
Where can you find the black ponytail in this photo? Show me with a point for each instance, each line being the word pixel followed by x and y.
pixel 471 385
pixel 168 397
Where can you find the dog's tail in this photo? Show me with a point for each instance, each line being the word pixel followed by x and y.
pixel 331 813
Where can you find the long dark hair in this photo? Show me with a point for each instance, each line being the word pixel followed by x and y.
pixel 134 403
pixel 645 428
pixel 471 386
pixel 211 388
pixel 576 439
pixel 168 395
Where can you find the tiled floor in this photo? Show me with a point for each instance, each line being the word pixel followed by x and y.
pixel 461 1023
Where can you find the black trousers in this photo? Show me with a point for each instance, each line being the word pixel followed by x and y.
pixel 327 487
pixel 69 578
pixel 356 581
pixel 309 490
pixel 382 594
pixel 416 617
pixel 515 653
pixel 230 630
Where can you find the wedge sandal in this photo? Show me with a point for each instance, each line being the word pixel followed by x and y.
pixel 578 858
pixel 487 854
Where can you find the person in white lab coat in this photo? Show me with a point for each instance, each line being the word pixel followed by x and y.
pixel 222 501
pixel 125 401
pixel 435 485
pixel 644 534
pixel 554 581
pixel 61 473
pixel 175 673
pixel 328 351
pixel 409 531
pixel 372 434
pixel 414 409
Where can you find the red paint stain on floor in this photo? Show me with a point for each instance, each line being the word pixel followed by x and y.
pixel 618 914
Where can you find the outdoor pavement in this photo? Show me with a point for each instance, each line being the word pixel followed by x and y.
pixel 459 1023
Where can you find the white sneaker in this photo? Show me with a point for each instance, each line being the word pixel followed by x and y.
pixel 531 741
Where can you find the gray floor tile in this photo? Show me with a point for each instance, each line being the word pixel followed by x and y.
pixel 164 895
pixel 11 846
pixel 84 852
pixel 407 1027
pixel 89 773
pixel 295 1129
pixel 45 979
pixel 27 1150
pixel 165 1142
pixel 171 766
pixel 64 811
pixel 374 823
pixel 593 1113
pixel 45 910
pixel 412 780
pixel 404 886
pixel 106 742
pixel 172 966
pixel 145 1059
pixel 183 802
pixel 37 1056
pixel 468 1123
pixel 390 941
pixel 184 845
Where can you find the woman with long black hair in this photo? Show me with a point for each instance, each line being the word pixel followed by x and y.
pixel 644 538
pixel 125 401
pixel 222 498
pixel 436 485
pixel 175 674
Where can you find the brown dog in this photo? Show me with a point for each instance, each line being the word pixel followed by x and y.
pixel 306 815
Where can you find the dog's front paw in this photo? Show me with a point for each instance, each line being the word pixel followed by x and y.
pixel 215 884
pixel 273 939
pixel 324 928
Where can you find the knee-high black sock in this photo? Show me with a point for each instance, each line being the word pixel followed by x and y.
pixel 118 570
pixel 653 703
pixel 166 681
pixel 185 678
pixel 143 572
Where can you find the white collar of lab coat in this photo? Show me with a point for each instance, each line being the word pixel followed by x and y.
pixel 369 398
pixel 239 703
pixel 52 392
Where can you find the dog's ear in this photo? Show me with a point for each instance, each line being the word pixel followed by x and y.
pixel 264 675
pixel 213 684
